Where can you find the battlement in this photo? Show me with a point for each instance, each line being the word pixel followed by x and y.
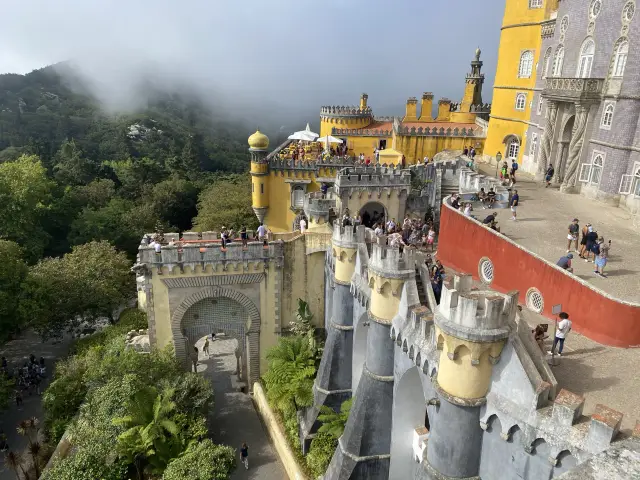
pixel 389 262
pixel 373 176
pixel 412 100
pixel 444 101
pixel 427 96
pixel 316 204
pixel 348 236
pixel 475 314
pixel 441 132
pixel 345 111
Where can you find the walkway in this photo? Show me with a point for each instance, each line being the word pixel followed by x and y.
pixel 234 419
pixel 17 352
pixel 544 215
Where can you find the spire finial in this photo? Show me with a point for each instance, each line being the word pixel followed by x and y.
pixel 478 52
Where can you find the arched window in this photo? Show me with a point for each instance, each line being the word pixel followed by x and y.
pixel 526 64
pixel 533 147
pixel 521 101
pixel 592 172
pixel 620 59
pixel 513 148
pixel 586 58
pixel 631 183
pixel 297 200
pixel 558 60
pixel 607 116
pixel 546 62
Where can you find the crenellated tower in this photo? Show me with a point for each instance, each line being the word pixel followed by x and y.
pixel 471 328
pixel 333 380
pixel 364 449
pixel 258 147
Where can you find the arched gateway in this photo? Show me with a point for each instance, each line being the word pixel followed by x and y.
pixel 214 309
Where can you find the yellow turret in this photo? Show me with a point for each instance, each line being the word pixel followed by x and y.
pixel 258 145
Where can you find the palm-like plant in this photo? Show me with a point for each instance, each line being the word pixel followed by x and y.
pixel 16 464
pixel 152 437
pixel 333 423
pixel 37 452
pixel 29 428
pixel 289 380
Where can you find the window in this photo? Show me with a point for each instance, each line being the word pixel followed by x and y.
pixel 297 196
pixel 533 147
pixel 594 9
pixel 592 172
pixel 540 100
pixel 513 149
pixel 620 59
pixel 586 58
pixel 521 101
pixel 631 183
pixel 526 64
pixel 535 3
pixel 564 24
pixel 546 62
pixel 558 60
pixel 262 188
pixel 628 11
pixel 607 116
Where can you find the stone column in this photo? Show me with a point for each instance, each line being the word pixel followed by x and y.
pixel 562 150
pixel 575 148
pixel 547 136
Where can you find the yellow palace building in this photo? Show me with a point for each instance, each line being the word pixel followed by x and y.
pixel 283 178
pixel 513 92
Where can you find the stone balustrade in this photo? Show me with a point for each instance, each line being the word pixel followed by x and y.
pixel 471 182
pixel 373 176
pixel 579 90
pixel 345 111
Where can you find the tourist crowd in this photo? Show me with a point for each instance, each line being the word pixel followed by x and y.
pixel 592 247
pixel 26 378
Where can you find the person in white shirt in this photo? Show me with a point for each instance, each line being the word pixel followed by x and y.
pixel 426 160
pixel 468 209
pixel 262 232
pixel 303 225
pixel 562 330
pixel 391 225
pixel 378 231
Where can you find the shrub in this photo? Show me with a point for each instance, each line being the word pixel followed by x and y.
pixel 320 453
pixel 202 461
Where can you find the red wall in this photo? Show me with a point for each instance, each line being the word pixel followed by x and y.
pixel 463 242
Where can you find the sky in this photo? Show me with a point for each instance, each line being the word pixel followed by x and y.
pixel 292 56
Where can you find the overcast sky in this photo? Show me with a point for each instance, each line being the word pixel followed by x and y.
pixel 299 53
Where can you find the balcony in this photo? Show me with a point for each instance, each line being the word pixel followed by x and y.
pixel 577 90
pixel 318 206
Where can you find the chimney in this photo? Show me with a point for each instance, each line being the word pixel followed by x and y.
pixel 426 107
pixel 412 110
pixel 444 110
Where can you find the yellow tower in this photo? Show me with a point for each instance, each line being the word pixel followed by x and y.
pixel 518 56
pixel 350 117
pixel 258 146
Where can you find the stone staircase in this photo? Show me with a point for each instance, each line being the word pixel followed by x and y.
pixel 421 290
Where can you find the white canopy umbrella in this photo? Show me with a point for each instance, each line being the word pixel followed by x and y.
pixel 330 139
pixel 305 135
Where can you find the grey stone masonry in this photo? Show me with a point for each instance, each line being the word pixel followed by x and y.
pixel 378 176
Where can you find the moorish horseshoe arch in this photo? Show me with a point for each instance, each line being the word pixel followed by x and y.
pixel 252 334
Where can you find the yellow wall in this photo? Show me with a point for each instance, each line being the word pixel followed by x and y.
pixel 259 185
pixel 416 148
pixel 327 125
pixel 460 377
pixel 385 296
pixel 521 31
pixel 345 264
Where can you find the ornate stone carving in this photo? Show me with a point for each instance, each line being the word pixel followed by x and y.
pixel 549 125
pixel 575 147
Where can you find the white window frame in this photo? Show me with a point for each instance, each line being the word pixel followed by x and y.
pixel 546 62
pixel 558 62
pixel 525 66
pixel 620 58
pixel 514 144
pixel 630 183
pixel 298 187
pixel 593 13
pixel 533 147
pixel 521 101
pixel 608 112
pixel 540 102
pixel 589 171
pixel 535 3
pixel 585 62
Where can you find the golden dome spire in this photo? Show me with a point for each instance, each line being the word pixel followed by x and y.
pixel 258 141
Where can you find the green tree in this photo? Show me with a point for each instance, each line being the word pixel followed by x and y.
pixel 333 423
pixel 97 193
pixel 71 167
pixel 289 378
pixel 226 202
pixel 12 274
pixel 152 438
pixel 174 202
pixel 202 461
pixel 25 197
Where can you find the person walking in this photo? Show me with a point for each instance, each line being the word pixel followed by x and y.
pixel 262 232
pixel 572 235
pixel 244 237
pixel 562 330
pixel 601 256
pixel 194 359
pixel 244 455
pixel 205 347
pixel 514 169
pixel 515 200
pixel 592 240
pixel 549 175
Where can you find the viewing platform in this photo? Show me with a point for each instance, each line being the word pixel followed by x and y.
pixel 373 176
pixel 318 206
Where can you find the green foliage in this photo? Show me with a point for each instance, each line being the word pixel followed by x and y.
pixel 12 273
pixel 197 461
pixel 25 195
pixel 289 378
pixel 320 453
pixel 6 391
pixel 226 203
pixel 333 423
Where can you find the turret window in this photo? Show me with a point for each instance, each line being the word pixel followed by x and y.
pixel 586 58
pixel 558 60
pixel 521 101
pixel 535 3
pixel 526 64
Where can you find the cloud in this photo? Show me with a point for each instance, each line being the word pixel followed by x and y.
pixel 290 55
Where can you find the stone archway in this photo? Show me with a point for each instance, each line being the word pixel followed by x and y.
pixel 373 212
pixel 564 141
pixel 245 327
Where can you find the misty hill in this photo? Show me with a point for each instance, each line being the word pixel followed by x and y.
pixel 39 111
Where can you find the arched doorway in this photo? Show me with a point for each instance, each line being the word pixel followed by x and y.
pixel 215 309
pixel 409 413
pixel 372 213
pixel 563 148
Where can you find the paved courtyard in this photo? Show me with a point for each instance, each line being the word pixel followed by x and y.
pixel 603 374
pixel 234 419
pixel 543 217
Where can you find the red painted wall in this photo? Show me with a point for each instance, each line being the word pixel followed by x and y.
pixel 463 242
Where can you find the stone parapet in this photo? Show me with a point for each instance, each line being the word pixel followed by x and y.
pixel 345 111
pixel 373 177
pixel 318 205
pixel 348 236
pixel 472 182
pixel 389 262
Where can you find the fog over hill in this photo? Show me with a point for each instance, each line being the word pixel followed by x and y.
pixel 272 63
